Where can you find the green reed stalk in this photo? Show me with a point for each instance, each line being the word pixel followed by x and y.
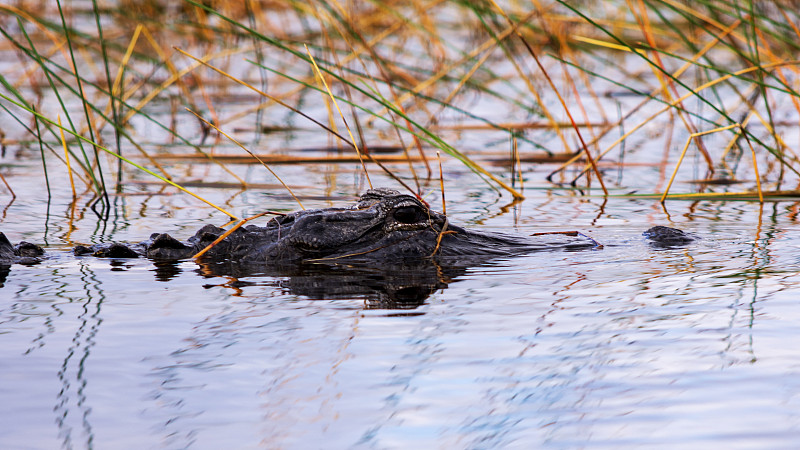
pixel 116 155
pixel 100 184
pixel 52 77
pixel 41 151
pixel 34 54
pixel 114 112
pixel 775 152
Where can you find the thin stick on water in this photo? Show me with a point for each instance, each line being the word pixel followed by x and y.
pixel 8 186
pixel 597 245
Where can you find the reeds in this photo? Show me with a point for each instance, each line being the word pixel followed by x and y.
pixel 409 73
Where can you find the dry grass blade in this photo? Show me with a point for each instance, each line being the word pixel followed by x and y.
pixel 8 186
pixel 333 99
pixel 605 44
pixel 695 136
pixel 251 154
pixel 441 183
pixel 229 232
pixel 260 92
pixel 66 157
pixel 560 98
pixel 755 164
pixel 440 236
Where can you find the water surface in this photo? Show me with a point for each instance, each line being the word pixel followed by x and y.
pixel 625 346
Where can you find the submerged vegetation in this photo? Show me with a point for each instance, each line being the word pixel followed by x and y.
pixel 107 90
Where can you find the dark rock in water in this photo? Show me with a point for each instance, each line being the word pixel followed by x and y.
pixel 661 236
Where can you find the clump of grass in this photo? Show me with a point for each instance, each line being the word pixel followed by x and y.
pixel 410 70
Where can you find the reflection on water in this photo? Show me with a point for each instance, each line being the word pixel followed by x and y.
pixel 4 271
pixel 71 408
pixel 398 285
pixel 627 346
pixel 166 270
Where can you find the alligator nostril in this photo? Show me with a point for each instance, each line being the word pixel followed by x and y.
pixel 407 214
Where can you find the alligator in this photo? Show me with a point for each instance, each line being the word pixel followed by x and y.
pixel 383 225
pixel 383 229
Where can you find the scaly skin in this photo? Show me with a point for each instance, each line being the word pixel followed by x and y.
pixel 383 225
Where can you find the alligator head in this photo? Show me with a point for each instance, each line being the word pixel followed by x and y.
pixel 382 225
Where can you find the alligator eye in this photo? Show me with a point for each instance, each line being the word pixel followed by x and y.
pixel 407 214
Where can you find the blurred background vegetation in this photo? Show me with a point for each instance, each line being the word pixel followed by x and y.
pixel 114 91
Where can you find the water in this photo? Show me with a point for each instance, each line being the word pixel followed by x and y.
pixel 625 346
